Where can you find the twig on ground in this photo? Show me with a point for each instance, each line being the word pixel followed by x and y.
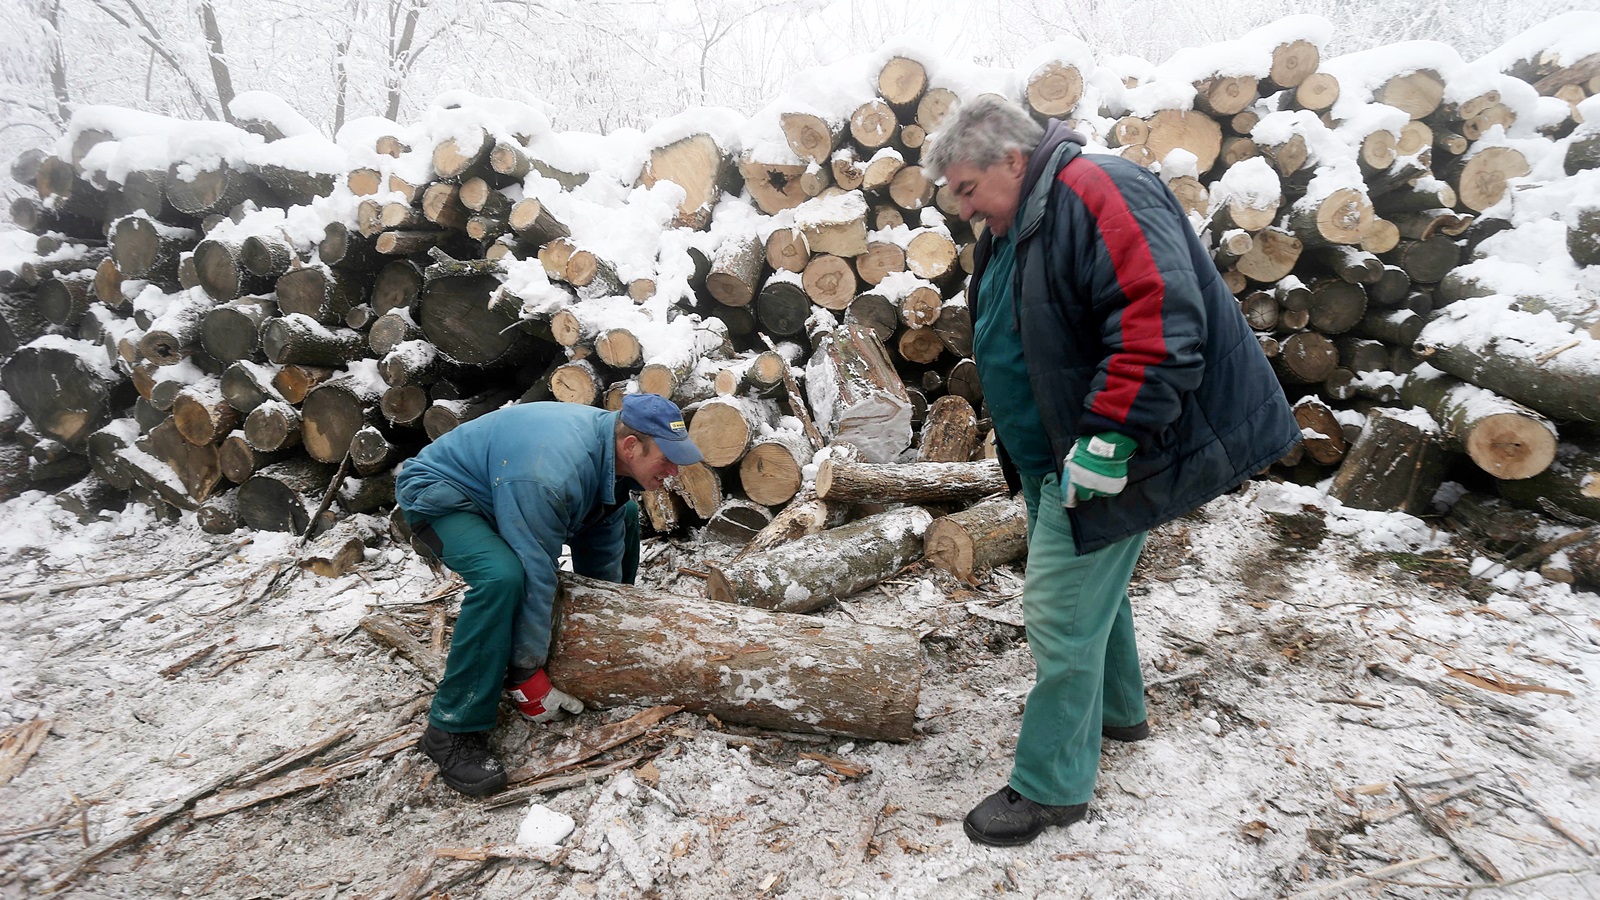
pixel 1360 879
pixel 1438 824
pixel 1351 701
pixel 574 749
pixel 1520 784
pixel 561 782
pixel 18 745
pixel 327 499
pixel 1493 885
pixel 1549 548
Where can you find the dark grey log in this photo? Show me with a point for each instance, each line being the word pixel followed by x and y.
pixel 404 405
pixel 398 285
pixel 220 271
pixel 458 316
pixel 65 298
pixel 302 340
pixel 214 192
pixel 1336 305
pixel 266 257
pixel 444 415
pixel 146 249
pixel 319 292
pixel 90 498
pixel 283 496
pixel 232 331
pixel 246 385
pixel 1305 358
pixel 220 514
pixel 1426 261
pixel 782 308
pixel 175 334
pixel 1397 464
pixel 391 329
pixel 66 388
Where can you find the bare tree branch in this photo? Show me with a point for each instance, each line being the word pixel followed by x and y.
pixel 219 63
pixel 152 38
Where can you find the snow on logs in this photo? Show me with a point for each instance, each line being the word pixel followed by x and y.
pixel 477 257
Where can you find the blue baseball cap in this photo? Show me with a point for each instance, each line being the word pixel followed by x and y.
pixel 660 418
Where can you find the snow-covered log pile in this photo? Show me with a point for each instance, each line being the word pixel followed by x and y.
pixel 208 305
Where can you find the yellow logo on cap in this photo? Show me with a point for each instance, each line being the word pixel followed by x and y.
pixel 678 425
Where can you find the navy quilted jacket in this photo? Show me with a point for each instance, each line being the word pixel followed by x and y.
pixel 1127 326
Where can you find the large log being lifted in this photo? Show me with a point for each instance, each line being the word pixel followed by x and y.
pixel 619 645
pixel 813 571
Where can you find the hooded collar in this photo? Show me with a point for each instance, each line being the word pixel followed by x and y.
pixel 1060 144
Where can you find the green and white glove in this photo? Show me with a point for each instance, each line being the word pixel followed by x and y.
pixel 1097 466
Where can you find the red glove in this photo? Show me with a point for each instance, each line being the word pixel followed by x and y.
pixel 539 700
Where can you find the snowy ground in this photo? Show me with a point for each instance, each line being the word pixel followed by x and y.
pixel 1299 664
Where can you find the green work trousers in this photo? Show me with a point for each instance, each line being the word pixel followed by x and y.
pixel 468 696
pixel 1080 632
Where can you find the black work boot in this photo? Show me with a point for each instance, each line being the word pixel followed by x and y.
pixel 1006 818
pixel 1126 733
pixel 465 762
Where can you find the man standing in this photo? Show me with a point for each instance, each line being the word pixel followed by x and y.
pixel 495 499
pixel 1125 388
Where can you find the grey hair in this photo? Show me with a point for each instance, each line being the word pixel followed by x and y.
pixel 980 133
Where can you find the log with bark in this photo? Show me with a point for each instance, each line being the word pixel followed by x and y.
pixel 621 645
pixel 856 394
pixel 920 482
pixel 232 331
pixel 1571 483
pixel 982 536
pixel 202 414
pixel 238 460
pixel 219 267
pixel 950 431
pixel 1397 464
pixel 1538 367
pixel 1320 431
pixel 813 571
pixel 66 387
pixel 284 496
pixel 301 340
pixel 1505 439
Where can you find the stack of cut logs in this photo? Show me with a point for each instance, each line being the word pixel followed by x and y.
pixel 161 358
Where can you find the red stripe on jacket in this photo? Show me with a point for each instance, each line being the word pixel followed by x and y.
pixel 1143 343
